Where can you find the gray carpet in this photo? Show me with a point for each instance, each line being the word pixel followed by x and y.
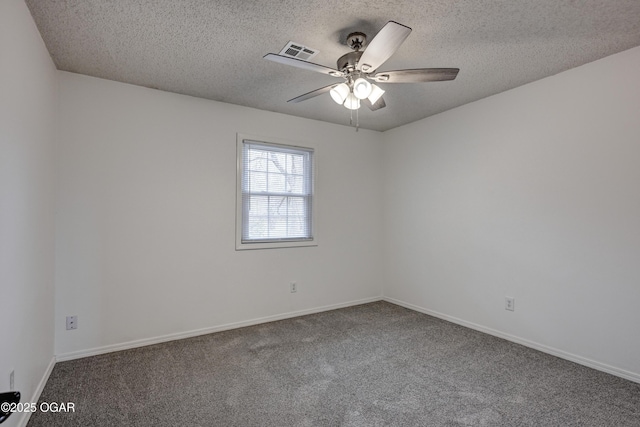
pixel 370 365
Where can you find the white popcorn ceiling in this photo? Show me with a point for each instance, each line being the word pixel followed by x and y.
pixel 214 49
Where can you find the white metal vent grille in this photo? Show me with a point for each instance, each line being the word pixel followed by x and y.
pixel 298 51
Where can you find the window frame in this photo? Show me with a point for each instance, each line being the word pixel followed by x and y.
pixel 275 243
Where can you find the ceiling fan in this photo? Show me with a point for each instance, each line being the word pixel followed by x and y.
pixel 359 69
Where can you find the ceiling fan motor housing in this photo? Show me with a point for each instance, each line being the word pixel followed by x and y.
pixel 349 60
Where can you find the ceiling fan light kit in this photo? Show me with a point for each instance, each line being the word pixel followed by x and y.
pixel 339 93
pixel 375 94
pixel 361 88
pixel 359 69
pixel 352 102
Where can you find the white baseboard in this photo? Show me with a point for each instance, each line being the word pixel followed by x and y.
pixel 632 376
pixel 37 392
pixel 194 333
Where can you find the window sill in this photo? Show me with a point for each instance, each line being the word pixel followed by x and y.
pixel 275 245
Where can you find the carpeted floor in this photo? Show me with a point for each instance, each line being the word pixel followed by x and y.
pixel 371 365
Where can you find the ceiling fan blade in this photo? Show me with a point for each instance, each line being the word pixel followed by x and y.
pixel 383 45
pixel 416 76
pixel 313 93
pixel 373 107
pixel 303 64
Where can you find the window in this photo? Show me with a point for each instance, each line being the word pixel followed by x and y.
pixel 275 195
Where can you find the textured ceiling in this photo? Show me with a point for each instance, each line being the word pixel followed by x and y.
pixel 213 48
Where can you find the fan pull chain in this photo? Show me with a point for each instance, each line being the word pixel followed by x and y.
pixel 357 119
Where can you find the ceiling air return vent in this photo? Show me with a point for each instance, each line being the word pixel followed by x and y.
pixel 298 51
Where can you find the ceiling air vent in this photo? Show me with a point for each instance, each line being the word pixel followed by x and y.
pixel 298 51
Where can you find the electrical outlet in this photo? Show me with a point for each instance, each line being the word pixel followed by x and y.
pixel 72 322
pixel 12 381
pixel 509 303
pixel 293 287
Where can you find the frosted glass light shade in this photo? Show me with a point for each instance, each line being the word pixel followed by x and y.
pixel 376 93
pixel 352 103
pixel 361 88
pixel 339 93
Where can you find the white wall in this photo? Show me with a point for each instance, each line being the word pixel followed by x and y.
pixel 145 223
pixel 532 193
pixel 28 84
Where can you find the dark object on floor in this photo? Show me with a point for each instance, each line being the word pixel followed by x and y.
pixel 10 397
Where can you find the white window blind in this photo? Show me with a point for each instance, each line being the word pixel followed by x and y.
pixel 277 192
